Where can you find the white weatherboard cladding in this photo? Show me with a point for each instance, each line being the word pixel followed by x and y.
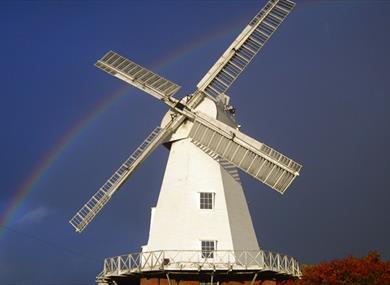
pixel 178 223
pixel 241 227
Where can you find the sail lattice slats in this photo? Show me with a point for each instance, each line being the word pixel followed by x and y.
pixel 241 52
pixel 253 157
pixel 85 215
pixel 229 167
pixel 137 75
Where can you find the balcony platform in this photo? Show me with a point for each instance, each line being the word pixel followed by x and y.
pixel 191 267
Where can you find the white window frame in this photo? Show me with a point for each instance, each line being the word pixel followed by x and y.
pixel 212 194
pixel 206 250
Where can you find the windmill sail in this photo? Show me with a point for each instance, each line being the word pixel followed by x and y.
pixel 244 48
pixel 85 215
pixel 137 75
pixel 251 156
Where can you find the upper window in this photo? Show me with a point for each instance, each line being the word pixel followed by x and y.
pixel 208 247
pixel 206 200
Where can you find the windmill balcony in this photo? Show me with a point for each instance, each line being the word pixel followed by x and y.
pixel 183 260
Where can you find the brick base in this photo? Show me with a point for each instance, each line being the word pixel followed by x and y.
pixel 195 278
pixel 164 281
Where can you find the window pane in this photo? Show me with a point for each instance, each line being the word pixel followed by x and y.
pixel 206 200
pixel 208 247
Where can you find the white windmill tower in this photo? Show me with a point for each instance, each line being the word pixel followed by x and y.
pixel 201 227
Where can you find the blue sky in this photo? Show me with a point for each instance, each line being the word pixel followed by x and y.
pixel 318 92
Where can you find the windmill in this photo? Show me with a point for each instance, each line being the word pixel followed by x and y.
pixel 201 221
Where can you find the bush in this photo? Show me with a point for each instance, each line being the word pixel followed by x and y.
pixel 370 270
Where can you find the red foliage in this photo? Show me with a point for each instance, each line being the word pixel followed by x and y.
pixel 369 270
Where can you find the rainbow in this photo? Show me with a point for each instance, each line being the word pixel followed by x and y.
pixel 41 169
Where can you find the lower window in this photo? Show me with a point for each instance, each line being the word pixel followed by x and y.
pixel 208 248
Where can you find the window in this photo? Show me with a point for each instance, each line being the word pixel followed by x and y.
pixel 208 247
pixel 206 200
